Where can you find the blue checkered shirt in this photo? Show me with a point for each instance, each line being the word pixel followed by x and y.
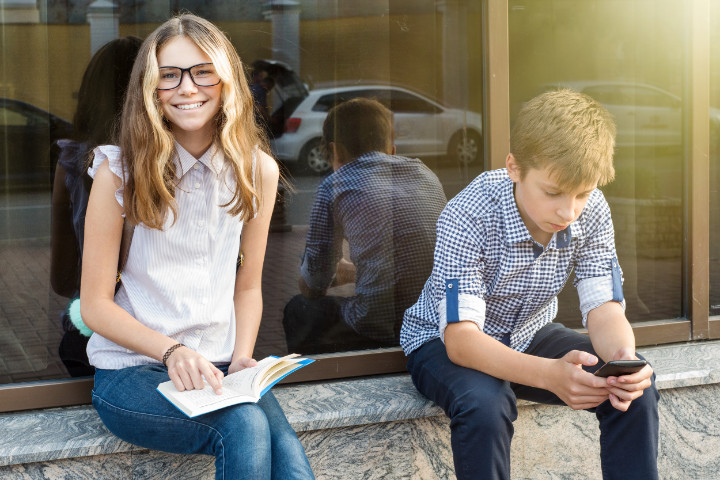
pixel 386 207
pixel 490 271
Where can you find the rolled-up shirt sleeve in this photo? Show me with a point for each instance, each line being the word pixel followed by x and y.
pixel 458 256
pixel 598 277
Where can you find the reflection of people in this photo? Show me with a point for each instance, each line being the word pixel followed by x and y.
pixel 188 173
pixel 99 104
pixel 481 333
pixel 259 90
pixel 386 207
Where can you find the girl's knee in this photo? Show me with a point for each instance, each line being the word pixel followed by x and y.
pixel 248 421
pixel 243 447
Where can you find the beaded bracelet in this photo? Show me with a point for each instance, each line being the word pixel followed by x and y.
pixel 170 351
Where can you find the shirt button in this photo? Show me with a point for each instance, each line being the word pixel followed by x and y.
pixel 196 166
pixel 197 184
pixel 201 223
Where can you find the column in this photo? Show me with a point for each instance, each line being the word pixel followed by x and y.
pixel 285 16
pixel 104 19
pixel 454 52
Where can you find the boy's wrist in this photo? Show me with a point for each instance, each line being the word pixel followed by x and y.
pixel 545 372
pixel 625 353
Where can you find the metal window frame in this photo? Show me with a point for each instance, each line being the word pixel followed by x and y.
pixel 496 87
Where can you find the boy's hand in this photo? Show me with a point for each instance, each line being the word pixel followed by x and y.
pixel 576 387
pixel 626 388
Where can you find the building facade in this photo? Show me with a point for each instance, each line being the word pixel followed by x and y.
pixel 471 64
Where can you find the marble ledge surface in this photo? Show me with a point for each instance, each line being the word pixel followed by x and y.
pixel 684 365
pixel 77 431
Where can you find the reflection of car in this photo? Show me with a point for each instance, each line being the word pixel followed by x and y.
pixel 646 116
pixel 26 133
pixel 423 127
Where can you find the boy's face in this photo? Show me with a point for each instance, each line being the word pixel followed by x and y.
pixel 543 205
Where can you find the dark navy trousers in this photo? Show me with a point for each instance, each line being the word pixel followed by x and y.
pixel 482 409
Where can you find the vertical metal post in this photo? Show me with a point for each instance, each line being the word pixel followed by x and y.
pixel 496 84
pixel 697 118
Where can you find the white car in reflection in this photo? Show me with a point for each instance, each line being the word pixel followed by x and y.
pixel 645 115
pixel 423 127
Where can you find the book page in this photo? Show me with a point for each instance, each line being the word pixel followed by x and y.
pixel 244 380
pixel 205 397
pixel 196 402
pixel 237 387
pixel 278 371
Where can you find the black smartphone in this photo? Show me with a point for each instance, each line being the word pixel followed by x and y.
pixel 616 368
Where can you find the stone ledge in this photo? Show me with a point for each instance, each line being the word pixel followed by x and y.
pixel 64 433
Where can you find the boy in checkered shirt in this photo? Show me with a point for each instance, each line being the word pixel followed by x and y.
pixel 482 335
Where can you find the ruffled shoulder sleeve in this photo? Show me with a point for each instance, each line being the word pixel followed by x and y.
pixel 113 155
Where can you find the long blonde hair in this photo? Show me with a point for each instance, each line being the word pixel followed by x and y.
pixel 147 142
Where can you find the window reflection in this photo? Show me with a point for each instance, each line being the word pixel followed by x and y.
pixel 714 158
pixel 421 59
pixel 630 57
pixel 406 55
pixel 385 207
pixel 100 100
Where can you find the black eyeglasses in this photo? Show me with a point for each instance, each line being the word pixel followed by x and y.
pixel 202 75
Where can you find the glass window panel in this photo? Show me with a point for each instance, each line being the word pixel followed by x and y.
pixel 420 57
pixel 715 157
pixel 630 56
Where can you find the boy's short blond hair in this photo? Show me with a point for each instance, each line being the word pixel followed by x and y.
pixel 569 133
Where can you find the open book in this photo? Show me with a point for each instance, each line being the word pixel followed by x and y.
pixel 245 386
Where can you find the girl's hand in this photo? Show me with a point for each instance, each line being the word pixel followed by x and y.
pixel 241 363
pixel 187 368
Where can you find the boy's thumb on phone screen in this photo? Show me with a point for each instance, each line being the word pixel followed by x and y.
pixel 581 358
pixel 590 360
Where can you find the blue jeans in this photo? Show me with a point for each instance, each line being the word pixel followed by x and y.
pixel 482 410
pixel 249 441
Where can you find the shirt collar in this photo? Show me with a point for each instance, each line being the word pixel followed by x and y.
pixel 184 161
pixel 515 229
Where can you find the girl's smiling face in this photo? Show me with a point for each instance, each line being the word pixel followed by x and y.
pixel 189 109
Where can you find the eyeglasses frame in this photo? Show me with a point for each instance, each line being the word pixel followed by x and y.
pixel 182 74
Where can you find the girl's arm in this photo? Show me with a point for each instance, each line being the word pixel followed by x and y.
pixel 248 283
pixel 103 231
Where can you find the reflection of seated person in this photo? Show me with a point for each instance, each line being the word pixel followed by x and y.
pixel 386 207
pixel 99 102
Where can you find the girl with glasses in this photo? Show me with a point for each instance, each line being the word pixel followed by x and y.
pixel 190 173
